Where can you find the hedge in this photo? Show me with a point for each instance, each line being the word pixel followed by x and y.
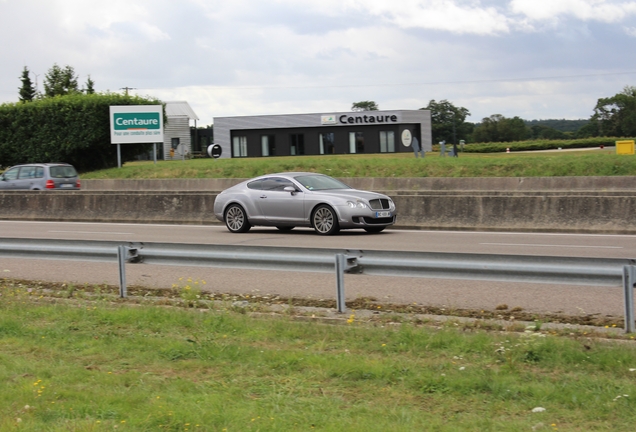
pixel 541 145
pixel 73 129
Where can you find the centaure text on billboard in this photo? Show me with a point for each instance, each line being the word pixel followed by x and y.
pixel 137 121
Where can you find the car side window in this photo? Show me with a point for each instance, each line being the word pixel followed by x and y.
pixel 256 184
pixel 26 172
pixel 39 172
pixel 276 184
pixel 11 174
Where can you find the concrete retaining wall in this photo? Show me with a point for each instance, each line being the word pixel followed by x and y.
pixel 609 212
pixel 389 184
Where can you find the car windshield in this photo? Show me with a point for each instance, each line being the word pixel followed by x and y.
pixel 320 182
pixel 63 172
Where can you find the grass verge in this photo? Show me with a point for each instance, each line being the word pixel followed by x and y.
pixel 79 362
pixel 570 163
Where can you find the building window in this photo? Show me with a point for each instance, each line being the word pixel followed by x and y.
pixel 297 146
pixel 268 145
pixel 327 143
pixel 387 142
pixel 239 146
pixel 356 142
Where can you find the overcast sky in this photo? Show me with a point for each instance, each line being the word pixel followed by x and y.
pixel 536 59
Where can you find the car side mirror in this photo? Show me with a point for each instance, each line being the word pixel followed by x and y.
pixel 292 190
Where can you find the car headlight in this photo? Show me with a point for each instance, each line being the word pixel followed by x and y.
pixel 357 204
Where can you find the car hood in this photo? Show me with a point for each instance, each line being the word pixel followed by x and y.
pixel 351 194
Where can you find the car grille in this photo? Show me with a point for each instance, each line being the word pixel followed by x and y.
pixel 378 221
pixel 380 204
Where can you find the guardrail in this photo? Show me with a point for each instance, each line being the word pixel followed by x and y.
pixel 514 268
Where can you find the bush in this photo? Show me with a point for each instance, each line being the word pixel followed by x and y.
pixel 540 145
pixel 73 129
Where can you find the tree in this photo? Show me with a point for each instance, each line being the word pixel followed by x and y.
pixel 60 82
pixel 27 91
pixel 90 86
pixel 498 128
pixel 364 106
pixel 616 115
pixel 448 122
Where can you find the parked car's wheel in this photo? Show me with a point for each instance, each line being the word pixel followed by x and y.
pixel 285 228
pixel 324 220
pixel 236 219
pixel 374 229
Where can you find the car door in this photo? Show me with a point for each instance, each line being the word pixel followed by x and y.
pixel 9 178
pixel 278 205
pixel 26 178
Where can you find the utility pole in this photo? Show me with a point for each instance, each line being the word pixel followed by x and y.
pixel 126 89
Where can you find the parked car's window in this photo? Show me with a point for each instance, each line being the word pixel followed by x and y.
pixel 66 171
pixel 256 184
pixel 276 184
pixel 11 174
pixel 320 182
pixel 39 172
pixel 27 172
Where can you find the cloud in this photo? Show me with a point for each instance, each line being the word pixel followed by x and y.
pixel 608 11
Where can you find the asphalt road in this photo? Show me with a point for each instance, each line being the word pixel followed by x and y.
pixel 445 293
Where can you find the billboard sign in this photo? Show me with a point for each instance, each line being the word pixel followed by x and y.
pixel 131 124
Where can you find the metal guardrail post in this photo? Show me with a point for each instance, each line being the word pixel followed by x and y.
pixel 122 252
pixel 340 295
pixel 629 281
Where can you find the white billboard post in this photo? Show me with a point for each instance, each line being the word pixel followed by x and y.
pixel 134 124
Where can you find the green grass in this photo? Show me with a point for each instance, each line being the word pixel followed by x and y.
pixel 543 164
pixel 80 365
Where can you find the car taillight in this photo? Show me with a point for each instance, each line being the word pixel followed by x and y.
pixel 50 184
pixel 78 185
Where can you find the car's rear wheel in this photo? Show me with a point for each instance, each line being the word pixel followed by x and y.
pixel 374 229
pixel 236 219
pixel 285 228
pixel 325 221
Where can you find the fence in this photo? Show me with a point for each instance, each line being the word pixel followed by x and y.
pixel 513 268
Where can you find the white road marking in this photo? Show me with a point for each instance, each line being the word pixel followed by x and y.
pixel 552 245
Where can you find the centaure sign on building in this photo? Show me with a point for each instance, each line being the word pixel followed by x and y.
pixel 323 133
pixel 130 124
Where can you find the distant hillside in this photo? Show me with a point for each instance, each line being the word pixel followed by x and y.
pixel 560 125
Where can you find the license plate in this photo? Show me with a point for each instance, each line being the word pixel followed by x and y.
pixel 383 214
pixel 66 185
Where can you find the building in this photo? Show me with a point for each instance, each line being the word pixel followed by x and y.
pixel 317 134
pixel 176 131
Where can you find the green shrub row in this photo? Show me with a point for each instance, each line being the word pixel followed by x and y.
pixel 73 129
pixel 540 145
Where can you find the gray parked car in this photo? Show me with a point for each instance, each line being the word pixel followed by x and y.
pixel 288 200
pixel 44 176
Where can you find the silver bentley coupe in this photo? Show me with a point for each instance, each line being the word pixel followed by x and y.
pixel 297 199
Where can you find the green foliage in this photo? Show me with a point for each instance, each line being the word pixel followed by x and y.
pixel 364 106
pixel 448 122
pixel 549 144
pixel 73 129
pixel 561 125
pixel 498 128
pixel 60 82
pixel 27 90
pixel 616 115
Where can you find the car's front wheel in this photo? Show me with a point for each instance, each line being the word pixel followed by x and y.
pixel 236 219
pixel 325 220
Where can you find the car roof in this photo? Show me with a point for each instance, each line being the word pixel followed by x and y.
pixel 43 164
pixel 289 174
